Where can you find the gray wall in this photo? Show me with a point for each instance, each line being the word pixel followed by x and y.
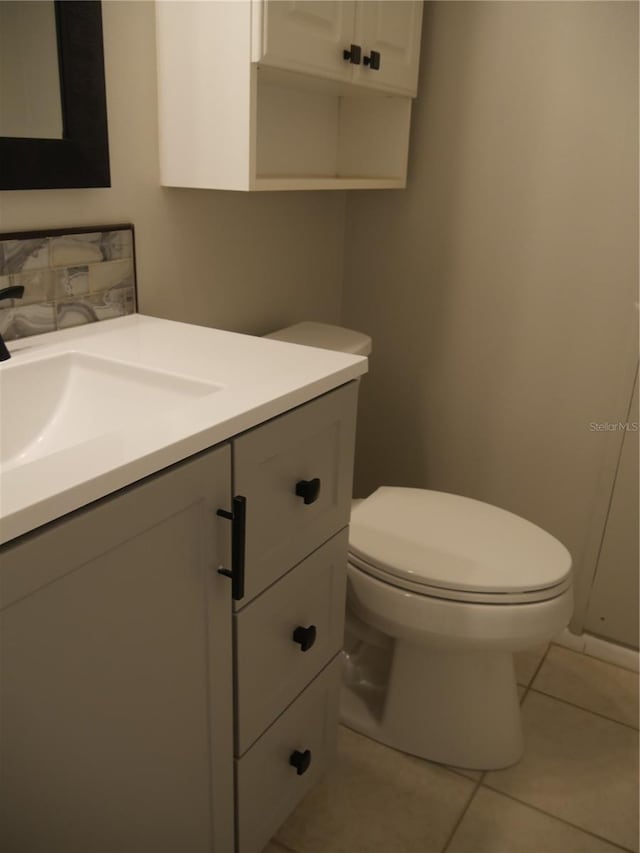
pixel 235 261
pixel 501 287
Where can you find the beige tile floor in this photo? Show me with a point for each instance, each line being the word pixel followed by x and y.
pixel 574 791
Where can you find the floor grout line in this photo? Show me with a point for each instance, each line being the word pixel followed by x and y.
pixel 582 708
pixel 539 667
pixel 280 844
pixel 527 686
pixel 462 814
pixel 555 817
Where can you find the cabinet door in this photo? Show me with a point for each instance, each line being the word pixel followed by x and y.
pixel 308 36
pixel 312 444
pixel 392 28
pixel 116 685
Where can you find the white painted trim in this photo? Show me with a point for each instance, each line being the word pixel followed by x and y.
pixel 569 640
pixel 601 649
pixel 586 562
pixel 612 653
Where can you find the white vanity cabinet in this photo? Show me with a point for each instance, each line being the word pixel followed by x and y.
pixel 372 43
pixel 116 673
pixel 275 95
pixel 296 475
pixel 142 708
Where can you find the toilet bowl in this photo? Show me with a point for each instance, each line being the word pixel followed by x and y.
pixel 457 586
pixel 441 591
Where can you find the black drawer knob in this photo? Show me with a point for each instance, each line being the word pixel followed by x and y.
pixel 308 489
pixel 353 55
pixel 373 60
pixel 306 637
pixel 300 760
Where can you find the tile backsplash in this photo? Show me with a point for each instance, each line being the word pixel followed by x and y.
pixel 69 278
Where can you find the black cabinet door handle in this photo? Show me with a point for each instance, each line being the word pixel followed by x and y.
pixel 300 760
pixel 238 518
pixel 308 489
pixel 373 60
pixel 353 55
pixel 306 637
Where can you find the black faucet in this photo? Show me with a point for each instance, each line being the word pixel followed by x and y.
pixel 16 292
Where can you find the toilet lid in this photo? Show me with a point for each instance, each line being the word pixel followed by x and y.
pixel 451 542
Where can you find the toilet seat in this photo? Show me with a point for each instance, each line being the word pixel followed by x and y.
pixel 456 548
pixel 456 594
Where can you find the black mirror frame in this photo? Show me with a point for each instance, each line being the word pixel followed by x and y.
pixel 81 157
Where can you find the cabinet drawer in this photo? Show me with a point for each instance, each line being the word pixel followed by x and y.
pixel 271 667
pixel 268 786
pixel 312 443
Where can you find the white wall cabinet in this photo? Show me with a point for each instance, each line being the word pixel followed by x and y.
pixel 316 37
pixel 308 36
pixel 258 95
pixel 393 30
pixel 143 709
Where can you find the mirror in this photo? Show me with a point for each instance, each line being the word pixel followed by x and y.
pixel 53 119
pixel 29 75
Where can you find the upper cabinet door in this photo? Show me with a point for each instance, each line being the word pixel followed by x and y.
pixel 391 28
pixel 308 36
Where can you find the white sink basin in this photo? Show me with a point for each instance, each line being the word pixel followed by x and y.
pixel 91 409
pixel 57 402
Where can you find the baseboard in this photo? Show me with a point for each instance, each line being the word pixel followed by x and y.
pixel 601 649
pixel 575 642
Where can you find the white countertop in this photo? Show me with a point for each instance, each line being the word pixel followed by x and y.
pixel 258 378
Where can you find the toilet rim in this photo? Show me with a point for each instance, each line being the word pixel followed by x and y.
pixel 451 594
pixel 456 625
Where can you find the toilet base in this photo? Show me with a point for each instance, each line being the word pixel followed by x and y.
pixel 458 708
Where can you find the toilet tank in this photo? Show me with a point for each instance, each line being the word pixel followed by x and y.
pixel 325 336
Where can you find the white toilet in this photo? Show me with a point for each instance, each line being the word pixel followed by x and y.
pixel 442 590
